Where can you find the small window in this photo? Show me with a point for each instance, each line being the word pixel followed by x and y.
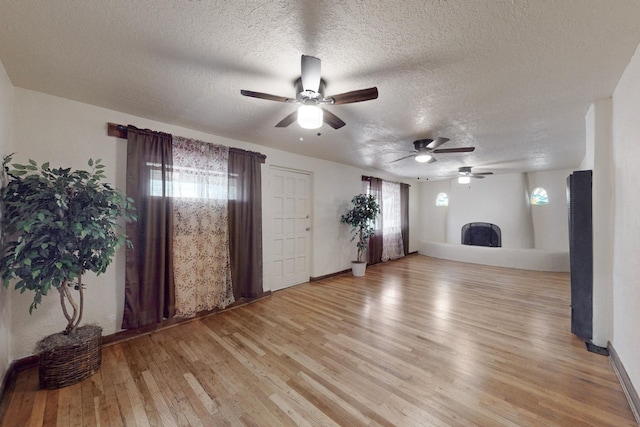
pixel 539 196
pixel 442 200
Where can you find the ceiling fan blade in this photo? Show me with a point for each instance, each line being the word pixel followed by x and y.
pixel 483 173
pixel 288 120
pixel 355 96
pixel 402 158
pixel 266 96
pixel 332 120
pixel 432 160
pixel 310 69
pixel 455 150
pixel 436 143
pixel 475 175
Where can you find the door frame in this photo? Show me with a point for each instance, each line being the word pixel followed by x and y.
pixel 268 231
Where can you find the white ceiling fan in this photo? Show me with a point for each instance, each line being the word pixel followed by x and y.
pixel 465 174
pixel 310 96
pixel 425 147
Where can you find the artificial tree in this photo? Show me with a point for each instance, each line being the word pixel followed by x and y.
pixel 58 224
pixel 361 219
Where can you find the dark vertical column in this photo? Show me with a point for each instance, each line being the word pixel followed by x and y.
pixel 581 253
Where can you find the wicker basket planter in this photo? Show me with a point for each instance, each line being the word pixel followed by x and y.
pixel 69 359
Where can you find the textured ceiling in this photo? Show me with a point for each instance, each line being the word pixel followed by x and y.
pixel 512 78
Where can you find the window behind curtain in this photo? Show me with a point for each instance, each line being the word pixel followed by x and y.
pixel 187 183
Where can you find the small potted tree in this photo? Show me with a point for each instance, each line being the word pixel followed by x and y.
pixel 57 225
pixel 361 219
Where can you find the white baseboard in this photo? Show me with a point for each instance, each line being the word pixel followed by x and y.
pixel 625 381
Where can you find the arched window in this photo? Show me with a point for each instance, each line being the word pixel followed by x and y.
pixel 442 199
pixel 539 196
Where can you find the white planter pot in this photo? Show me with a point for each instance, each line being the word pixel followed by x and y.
pixel 358 268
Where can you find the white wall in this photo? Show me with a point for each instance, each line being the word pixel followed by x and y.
pixel 498 199
pixel 67 133
pixel 626 268
pixel 6 107
pixel 599 159
pixel 433 219
pixel 501 200
pixel 415 216
pixel 550 222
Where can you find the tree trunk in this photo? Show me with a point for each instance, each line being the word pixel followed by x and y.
pixel 75 317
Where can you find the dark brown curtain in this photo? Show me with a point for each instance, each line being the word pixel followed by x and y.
pixel 149 290
pixel 245 222
pixel 404 216
pixel 374 250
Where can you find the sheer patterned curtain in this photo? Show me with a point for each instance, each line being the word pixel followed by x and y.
pixel 149 286
pixel 200 233
pixel 392 246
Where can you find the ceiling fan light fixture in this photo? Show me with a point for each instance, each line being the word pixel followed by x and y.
pixel 310 117
pixel 464 179
pixel 423 157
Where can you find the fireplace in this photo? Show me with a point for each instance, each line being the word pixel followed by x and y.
pixel 481 234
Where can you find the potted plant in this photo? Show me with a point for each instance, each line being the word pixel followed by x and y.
pixel 57 225
pixel 361 219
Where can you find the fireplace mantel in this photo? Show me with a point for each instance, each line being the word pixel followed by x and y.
pixel 525 259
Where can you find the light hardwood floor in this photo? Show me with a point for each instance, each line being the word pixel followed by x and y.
pixel 418 341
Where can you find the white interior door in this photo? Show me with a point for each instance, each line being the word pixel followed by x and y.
pixel 290 227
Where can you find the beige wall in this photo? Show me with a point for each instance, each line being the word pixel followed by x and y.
pixel 6 105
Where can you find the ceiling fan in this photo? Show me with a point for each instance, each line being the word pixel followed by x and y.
pixel 465 174
pixel 310 95
pixel 424 148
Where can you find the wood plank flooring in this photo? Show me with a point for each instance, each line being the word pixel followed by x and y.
pixel 416 342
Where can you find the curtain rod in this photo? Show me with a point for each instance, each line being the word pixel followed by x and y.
pixel 368 178
pixel 120 131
